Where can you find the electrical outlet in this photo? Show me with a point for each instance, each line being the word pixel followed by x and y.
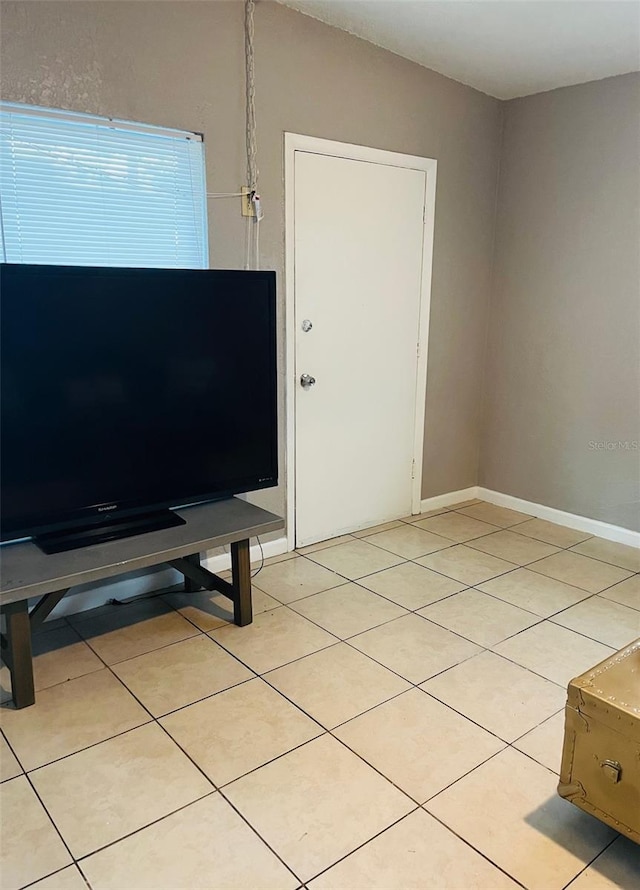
pixel 248 208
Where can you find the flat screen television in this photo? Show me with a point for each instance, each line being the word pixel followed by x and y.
pixel 125 392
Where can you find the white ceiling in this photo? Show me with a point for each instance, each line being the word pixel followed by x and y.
pixel 505 48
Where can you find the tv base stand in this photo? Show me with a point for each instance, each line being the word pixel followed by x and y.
pixel 72 538
pixel 28 573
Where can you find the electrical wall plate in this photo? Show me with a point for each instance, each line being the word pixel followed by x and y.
pixel 248 208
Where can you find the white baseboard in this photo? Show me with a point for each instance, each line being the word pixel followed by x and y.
pixel 451 497
pixel 92 596
pixel 560 517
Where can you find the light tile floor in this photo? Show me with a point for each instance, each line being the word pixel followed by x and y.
pixel 392 719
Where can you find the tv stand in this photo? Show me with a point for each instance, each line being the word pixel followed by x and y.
pixel 28 573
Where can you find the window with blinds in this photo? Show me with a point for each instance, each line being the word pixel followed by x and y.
pixel 82 190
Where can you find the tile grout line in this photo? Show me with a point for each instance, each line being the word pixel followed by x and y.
pixel 345 640
pixel 11 748
pixel 204 698
pixel 480 726
pixel 406 816
pixel 259 676
pixel 327 732
pixel 364 844
pixel 50 818
pixel 409 611
pixel 211 793
pixel 479 589
pixel 402 790
pixel 259 836
pixel 167 591
pixel 53 874
pixel 154 719
pixel 135 831
pixel 214 788
pixel 590 863
pixel 335 641
pixel 586 636
pixel 360 846
pixel 93 744
pixel 530 670
pixel 531 517
pixel 469 844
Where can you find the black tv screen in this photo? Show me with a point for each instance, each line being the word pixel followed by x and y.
pixel 128 390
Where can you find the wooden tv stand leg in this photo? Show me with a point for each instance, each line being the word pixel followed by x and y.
pixel 17 653
pixel 239 591
pixel 241 581
pixel 191 586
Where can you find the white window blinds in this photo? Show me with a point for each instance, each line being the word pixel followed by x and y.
pixel 82 190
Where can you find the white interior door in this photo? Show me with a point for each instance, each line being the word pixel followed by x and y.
pixel 358 245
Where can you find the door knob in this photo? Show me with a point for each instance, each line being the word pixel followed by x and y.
pixel 307 381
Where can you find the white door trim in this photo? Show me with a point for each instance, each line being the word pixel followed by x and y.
pixel 294 142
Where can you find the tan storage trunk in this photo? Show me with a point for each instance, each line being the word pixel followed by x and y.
pixel 600 770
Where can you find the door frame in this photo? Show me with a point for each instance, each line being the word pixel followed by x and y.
pixel 295 142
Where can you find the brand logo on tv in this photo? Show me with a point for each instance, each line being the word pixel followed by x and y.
pixel 109 507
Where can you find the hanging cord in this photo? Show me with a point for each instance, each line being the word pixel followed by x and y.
pixel 257 231
pixel 253 224
pixel 261 566
pixel 252 166
pixel 252 228
pixel 154 593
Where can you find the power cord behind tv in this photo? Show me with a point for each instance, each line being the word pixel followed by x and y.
pixel 153 593
pixel 261 566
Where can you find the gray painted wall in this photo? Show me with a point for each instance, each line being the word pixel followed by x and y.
pixel 562 387
pixel 562 363
pixel 181 64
